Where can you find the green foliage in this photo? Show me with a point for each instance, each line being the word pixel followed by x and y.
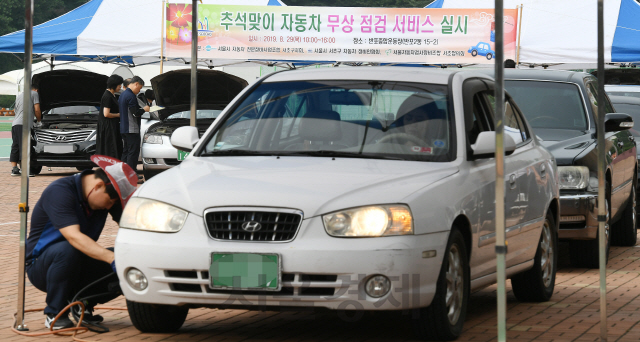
pixel 360 3
pixel 6 101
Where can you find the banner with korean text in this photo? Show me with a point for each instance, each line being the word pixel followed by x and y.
pixel 347 34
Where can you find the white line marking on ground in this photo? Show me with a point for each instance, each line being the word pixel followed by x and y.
pixel 2 224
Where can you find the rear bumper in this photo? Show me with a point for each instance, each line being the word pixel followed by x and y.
pixel 578 216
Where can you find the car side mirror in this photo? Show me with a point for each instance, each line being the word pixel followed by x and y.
pixel 485 146
pixel 185 138
pixel 614 122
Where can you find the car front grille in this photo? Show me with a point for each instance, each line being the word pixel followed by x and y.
pixel 293 284
pixel 49 137
pixel 250 225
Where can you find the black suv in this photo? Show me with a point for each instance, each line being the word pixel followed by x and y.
pixel 70 104
pixel 561 107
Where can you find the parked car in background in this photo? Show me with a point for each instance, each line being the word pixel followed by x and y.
pixel 623 90
pixel 341 188
pixel 482 49
pixel 70 104
pixel 172 90
pixel 561 107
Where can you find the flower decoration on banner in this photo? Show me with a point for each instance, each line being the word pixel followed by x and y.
pixel 179 15
pixel 172 34
pixel 185 35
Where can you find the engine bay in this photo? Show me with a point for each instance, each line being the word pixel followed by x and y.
pixel 68 125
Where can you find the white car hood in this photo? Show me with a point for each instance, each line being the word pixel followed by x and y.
pixel 315 185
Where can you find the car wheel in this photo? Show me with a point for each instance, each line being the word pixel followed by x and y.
pixel 586 254
pixel 444 318
pixel 156 318
pixel 623 232
pixel 474 53
pixel 489 56
pixel 536 284
pixel 36 169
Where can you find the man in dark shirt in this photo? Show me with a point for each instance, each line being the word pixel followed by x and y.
pixel 62 253
pixel 130 115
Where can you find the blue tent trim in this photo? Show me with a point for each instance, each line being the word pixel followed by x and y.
pixel 274 3
pixel 435 4
pixel 47 40
pixel 626 39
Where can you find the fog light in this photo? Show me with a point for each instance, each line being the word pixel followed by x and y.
pixel 378 286
pixel 149 160
pixel 136 279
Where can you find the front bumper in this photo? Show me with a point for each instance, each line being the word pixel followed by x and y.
pixel 80 157
pixel 159 156
pixel 578 216
pixel 318 270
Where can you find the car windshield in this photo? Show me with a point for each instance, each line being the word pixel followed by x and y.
pixel 200 114
pixel 74 110
pixel 549 105
pixel 359 119
pixel 624 93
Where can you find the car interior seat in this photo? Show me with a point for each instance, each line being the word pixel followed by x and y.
pixel 319 130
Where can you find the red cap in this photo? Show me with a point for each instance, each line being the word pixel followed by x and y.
pixel 123 178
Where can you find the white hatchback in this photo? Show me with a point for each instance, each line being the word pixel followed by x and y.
pixel 368 188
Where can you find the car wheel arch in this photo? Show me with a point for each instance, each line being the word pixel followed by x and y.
pixel 554 207
pixel 462 224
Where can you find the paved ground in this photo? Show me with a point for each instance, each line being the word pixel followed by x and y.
pixel 571 315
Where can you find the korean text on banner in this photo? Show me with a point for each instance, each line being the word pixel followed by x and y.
pixel 397 35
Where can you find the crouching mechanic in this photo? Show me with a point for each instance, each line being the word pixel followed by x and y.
pixel 63 256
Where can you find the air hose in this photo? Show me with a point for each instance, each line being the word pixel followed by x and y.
pixel 78 316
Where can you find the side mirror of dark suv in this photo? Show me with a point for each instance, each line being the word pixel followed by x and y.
pixel 614 122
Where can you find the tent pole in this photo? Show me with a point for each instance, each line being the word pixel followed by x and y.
pixel 519 33
pixel 162 23
pixel 501 246
pixel 27 117
pixel 601 177
pixel 194 61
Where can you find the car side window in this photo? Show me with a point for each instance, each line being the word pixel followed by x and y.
pixel 481 118
pixel 592 92
pixel 513 124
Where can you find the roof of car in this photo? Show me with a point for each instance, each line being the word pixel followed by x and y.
pixel 622 87
pixel 401 74
pixel 624 100
pixel 540 74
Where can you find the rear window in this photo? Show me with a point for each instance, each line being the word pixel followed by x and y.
pixel 549 104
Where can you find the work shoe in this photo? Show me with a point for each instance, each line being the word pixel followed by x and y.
pixel 62 323
pixel 15 171
pixel 90 318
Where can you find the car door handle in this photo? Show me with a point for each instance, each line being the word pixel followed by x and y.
pixel 631 138
pixel 543 171
pixel 620 144
pixel 512 181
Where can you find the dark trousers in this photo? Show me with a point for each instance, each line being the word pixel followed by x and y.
pixel 131 150
pixel 16 145
pixel 61 271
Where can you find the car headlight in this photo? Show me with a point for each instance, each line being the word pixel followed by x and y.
pixel 146 214
pixel 152 139
pixel 573 177
pixel 380 220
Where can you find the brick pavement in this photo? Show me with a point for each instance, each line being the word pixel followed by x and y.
pixel 571 315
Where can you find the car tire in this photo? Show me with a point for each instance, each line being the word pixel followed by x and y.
pixel 36 169
pixel 156 318
pixel 442 321
pixel 474 53
pixel 586 253
pixel 489 56
pixel 624 232
pixel 537 284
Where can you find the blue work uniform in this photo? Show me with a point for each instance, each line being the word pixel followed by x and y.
pixel 130 118
pixel 53 265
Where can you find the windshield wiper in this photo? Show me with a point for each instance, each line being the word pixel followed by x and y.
pixel 237 152
pixel 330 153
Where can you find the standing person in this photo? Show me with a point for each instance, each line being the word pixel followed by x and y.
pixel 63 255
pixel 109 140
pixel 131 113
pixel 16 127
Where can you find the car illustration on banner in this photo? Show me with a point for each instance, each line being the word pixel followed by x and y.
pixel 482 49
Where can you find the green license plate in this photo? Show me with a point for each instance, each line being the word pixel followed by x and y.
pixel 182 155
pixel 245 271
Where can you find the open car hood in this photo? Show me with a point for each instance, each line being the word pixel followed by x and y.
pixel 61 88
pixel 215 90
pixel 621 76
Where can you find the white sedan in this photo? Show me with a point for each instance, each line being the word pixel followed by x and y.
pixel 368 188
